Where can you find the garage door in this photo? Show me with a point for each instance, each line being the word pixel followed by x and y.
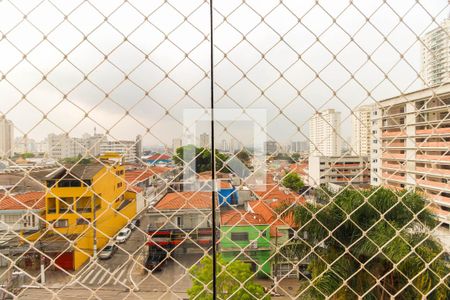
pixel 65 260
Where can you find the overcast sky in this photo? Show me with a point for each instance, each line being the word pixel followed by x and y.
pixel 162 66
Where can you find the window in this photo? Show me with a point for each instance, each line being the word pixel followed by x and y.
pixel 61 223
pixel 239 236
pixel 10 219
pixel 83 221
pixel 179 221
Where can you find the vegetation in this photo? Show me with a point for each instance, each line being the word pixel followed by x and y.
pixel 385 232
pixel 229 278
pixel 202 158
pixel 293 182
pixel 244 156
pixel 76 160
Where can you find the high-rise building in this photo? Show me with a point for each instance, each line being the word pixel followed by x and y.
pixel 435 64
pixel 63 146
pixel 127 149
pixel 176 143
pixel 24 145
pixel 361 130
pixel 411 146
pixel 325 134
pixel 6 137
pixel 299 146
pixel 224 145
pixel 139 148
pixel 270 147
pixel 204 140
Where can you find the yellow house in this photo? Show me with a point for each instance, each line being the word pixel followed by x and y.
pixel 86 206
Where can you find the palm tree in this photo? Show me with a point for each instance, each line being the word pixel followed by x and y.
pixel 370 244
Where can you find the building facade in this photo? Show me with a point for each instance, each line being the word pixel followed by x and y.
pixel 413 146
pixel 345 170
pixel 325 133
pixel 435 63
pixel 270 147
pixel 128 150
pixel 361 130
pixel 62 146
pixel 6 137
pixel 88 206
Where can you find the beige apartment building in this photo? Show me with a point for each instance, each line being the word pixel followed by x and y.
pixel 325 133
pixel 339 170
pixel 6 137
pixel 435 64
pixel 410 145
pixel 361 127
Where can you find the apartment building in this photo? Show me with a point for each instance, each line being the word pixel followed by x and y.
pixel 361 130
pixel 435 63
pixel 345 170
pixel 325 133
pixel 6 137
pixel 204 140
pixel 270 147
pixel 412 150
pixel 128 150
pixel 62 145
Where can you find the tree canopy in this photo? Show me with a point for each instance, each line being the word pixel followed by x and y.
pixel 293 182
pixel 229 278
pixel 372 244
pixel 202 158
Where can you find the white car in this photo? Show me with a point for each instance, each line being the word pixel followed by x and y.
pixel 123 235
pixel 108 251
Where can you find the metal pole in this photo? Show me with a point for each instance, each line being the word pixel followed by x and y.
pixel 42 262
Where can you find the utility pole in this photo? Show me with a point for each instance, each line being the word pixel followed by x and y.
pixel 94 224
pixel 42 262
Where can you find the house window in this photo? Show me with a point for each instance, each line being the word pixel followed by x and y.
pixel 179 221
pixel 11 219
pixel 61 223
pixel 83 221
pixel 239 236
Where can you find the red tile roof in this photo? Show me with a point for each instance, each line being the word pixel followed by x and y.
pixel 158 156
pixel 136 176
pixel 241 217
pixel 29 200
pixel 136 189
pixel 185 200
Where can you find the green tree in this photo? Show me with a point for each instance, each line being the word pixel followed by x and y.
pixel 27 155
pixel 293 182
pixel 244 156
pixel 202 158
pixel 374 243
pixel 229 278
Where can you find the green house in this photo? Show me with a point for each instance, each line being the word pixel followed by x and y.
pixel 246 236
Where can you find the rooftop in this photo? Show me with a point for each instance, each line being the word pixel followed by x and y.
pixel 77 171
pixel 185 200
pixel 240 217
pixel 29 200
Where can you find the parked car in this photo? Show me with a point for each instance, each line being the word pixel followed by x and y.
pixel 108 251
pixel 135 224
pixel 155 260
pixel 123 235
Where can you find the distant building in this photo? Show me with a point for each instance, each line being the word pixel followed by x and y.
pixel 270 147
pixel 6 137
pixel 361 130
pixel 325 133
pixel 139 148
pixel 176 143
pixel 204 140
pixel 299 146
pixel 24 145
pixel 62 146
pixel 435 67
pixel 345 170
pixel 127 149
pixel 224 145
